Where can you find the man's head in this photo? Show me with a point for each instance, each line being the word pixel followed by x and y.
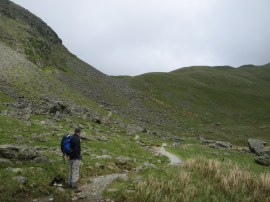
pixel 77 131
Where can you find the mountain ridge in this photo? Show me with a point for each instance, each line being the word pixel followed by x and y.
pixel 46 92
pixel 158 101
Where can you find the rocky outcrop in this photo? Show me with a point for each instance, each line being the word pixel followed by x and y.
pixel 124 163
pixel 263 160
pixel 5 162
pixel 257 147
pixel 102 138
pixel 216 144
pixel 17 152
pixel 16 12
pixel 132 129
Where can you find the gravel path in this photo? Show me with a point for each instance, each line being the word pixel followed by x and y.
pixel 175 160
pixel 93 192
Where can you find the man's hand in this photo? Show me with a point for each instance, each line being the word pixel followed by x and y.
pixel 68 157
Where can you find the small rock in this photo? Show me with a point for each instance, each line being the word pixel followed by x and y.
pixel 19 138
pixel 178 139
pixel 20 179
pixel 17 152
pixel 122 159
pixel 96 119
pixel 5 162
pixel 104 151
pixel 102 138
pixel 263 160
pixel 74 198
pixel 82 196
pixel 138 169
pixel 42 122
pixel 104 157
pixel 81 126
pixel 15 170
pixel 221 144
pixel 130 191
pixel 51 199
pixel 59 185
pixel 98 165
pixel 149 165
pixel 4 112
pixel 175 144
pixel 216 144
pixel 112 190
pixel 132 129
pixel 39 138
pixel 258 146
pixel 154 133
pixel 60 190
pixel 42 159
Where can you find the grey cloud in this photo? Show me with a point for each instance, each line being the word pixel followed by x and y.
pixel 131 37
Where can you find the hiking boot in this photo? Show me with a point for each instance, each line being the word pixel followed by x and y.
pixel 77 189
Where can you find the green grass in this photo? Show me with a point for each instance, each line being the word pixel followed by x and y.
pixel 198 97
pixel 191 182
pixel 4 101
pixel 197 150
pixel 222 103
pixel 39 175
pixel 200 179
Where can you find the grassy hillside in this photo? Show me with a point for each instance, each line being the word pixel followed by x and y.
pixel 32 39
pixel 46 91
pixel 220 102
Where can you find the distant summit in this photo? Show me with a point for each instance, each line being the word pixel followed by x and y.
pixel 16 12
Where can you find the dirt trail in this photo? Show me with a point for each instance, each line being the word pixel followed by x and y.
pixel 109 114
pixel 174 160
pixel 93 191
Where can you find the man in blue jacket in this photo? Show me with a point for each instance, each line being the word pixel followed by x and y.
pixel 74 159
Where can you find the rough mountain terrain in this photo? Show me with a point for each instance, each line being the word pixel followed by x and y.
pixel 46 91
pixel 213 101
pixel 39 45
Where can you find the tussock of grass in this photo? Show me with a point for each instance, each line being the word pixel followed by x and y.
pixel 205 180
pixel 235 182
pixel 166 190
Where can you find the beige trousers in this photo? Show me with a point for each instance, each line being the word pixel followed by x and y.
pixel 74 166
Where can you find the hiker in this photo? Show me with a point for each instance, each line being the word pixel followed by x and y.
pixel 74 159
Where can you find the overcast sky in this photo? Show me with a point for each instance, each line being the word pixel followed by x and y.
pixel 131 37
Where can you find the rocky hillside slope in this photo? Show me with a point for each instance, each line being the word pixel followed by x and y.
pixel 46 91
pixel 39 69
pixel 44 77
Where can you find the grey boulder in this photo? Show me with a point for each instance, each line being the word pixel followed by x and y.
pixel 263 160
pixel 18 152
pixel 258 147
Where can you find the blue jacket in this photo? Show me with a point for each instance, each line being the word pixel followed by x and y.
pixel 75 148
